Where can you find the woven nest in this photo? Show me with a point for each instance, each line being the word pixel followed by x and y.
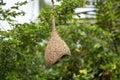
pixel 55 49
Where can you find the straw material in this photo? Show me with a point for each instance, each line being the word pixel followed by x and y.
pixel 55 49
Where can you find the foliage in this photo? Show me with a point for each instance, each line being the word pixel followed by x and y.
pixel 93 55
pixel 12 12
pixel 64 12
pixel 108 18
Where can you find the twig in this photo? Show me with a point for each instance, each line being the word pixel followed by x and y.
pixel 53 17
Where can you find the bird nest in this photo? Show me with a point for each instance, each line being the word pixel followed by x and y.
pixel 55 49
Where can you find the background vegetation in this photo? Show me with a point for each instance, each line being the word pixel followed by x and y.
pixel 95 48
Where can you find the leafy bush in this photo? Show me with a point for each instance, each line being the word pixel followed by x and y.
pixel 93 58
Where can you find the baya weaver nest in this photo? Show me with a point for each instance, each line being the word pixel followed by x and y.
pixel 56 47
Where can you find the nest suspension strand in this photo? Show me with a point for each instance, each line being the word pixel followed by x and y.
pixel 56 47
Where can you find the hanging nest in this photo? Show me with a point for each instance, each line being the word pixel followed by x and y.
pixel 55 49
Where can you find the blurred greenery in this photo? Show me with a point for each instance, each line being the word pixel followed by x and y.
pixel 95 48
